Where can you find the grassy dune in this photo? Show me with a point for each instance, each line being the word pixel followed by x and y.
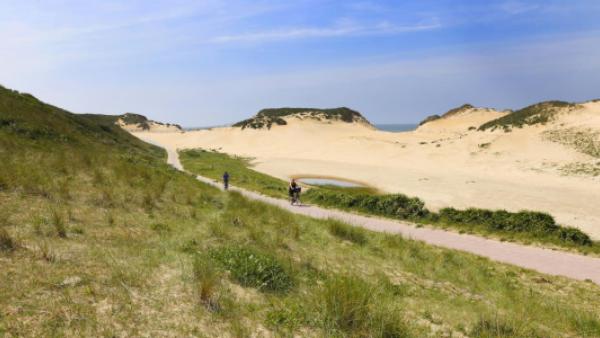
pixel 525 227
pixel 98 237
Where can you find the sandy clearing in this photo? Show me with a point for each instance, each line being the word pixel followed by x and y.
pixel 542 260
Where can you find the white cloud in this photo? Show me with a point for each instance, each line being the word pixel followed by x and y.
pixel 349 30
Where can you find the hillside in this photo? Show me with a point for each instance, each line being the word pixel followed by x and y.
pixel 267 118
pixel 136 123
pixel 460 119
pixel 99 237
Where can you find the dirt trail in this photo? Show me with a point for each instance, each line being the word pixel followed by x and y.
pixel 542 260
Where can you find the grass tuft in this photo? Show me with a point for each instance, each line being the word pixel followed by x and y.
pixel 351 306
pixel 347 232
pixel 208 281
pixel 58 222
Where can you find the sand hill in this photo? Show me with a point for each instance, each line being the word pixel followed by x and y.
pixel 460 119
pixel 543 157
pixel 137 123
pixel 267 118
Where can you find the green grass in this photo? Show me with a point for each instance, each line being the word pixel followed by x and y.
pixel 348 232
pixel 213 164
pixel 150 251
pixel 523 226
pixel 539 113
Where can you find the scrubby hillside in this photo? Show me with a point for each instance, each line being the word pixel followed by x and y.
pixel 136 123
pixel 99 237
pixel 267 118
pixel 539 113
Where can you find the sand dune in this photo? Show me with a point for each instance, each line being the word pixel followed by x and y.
pixel 539 167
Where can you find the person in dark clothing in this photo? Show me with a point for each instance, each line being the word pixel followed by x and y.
pixel 294 192
pixel 226 180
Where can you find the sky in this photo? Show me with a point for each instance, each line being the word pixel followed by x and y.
pixel 209 62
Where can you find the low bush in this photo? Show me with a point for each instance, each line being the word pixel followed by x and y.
pixel 348 232
pixel 255 269
pixel 536 223
pixel 394 205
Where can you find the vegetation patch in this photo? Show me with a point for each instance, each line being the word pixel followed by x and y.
pixel 496 327
pixel 585 141
pixel 266 118
pixel 351 306
pixel 429 119
pixel 252 268
pixel 208 282
pixel 539 113
pixel 347 232
pixel 394 205
pixel 536 224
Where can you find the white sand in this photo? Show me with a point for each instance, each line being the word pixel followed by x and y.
pixel 517 170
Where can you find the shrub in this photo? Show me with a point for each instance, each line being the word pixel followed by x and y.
pixel 535 223
pixel 207 280
pixel 7 243
pixel 393 205
pixel 255 269
pixel 348 232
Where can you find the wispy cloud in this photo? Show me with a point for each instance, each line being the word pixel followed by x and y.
pixel 382 28
pixel 518 7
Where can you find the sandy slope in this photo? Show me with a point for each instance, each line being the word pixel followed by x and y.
pixel 444 163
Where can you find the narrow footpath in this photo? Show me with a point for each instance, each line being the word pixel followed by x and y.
pixel 546 261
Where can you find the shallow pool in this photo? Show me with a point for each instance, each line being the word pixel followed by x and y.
pixel 329 181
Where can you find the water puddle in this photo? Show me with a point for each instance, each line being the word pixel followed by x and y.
pixel 329 181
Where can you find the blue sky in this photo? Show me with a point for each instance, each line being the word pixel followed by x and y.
pixel 201 63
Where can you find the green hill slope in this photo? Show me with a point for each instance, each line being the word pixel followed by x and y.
pixel 99 237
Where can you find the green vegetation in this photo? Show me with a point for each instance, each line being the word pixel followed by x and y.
pixel 535 224
pixel 213 164
pixel 347 232
pixel 392 205
pixel 353 307
pixel 449 113
pixel 539 113
pixel 457 110
pixel 150 251
pixel 429 119
pixel 267 117
pixel 131 118
pixel 253 268
pixel 524 226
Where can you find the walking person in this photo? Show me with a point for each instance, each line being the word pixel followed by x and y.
pixel 226 181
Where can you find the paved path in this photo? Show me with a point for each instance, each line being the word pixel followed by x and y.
pixel 543 260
